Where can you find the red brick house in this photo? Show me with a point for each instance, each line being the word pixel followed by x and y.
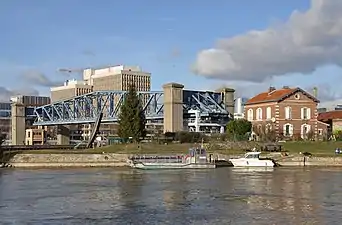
pixel 333 118
pixel 291 112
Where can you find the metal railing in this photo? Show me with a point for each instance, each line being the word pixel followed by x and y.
pixel 158 159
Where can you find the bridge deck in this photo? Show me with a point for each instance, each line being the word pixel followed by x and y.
pixel 86 108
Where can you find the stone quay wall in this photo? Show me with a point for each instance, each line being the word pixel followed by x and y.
pixel 310 161
pixel 120 160
pixel 69 160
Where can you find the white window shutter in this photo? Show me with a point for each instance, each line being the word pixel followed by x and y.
pixel 287 113
pixel 257 114
pixel 291 129
pixel 308 111
pixel 250 115
pixel 302 113
pixel 268 113
pixel 284 129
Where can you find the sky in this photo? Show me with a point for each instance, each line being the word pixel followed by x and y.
pixel 247 45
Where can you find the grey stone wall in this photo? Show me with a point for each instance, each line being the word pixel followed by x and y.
pixel 69 160
pixel 310 161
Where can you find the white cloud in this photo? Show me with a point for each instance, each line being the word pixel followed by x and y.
pixel 330 105
pixel 307 41
pixel 6 94
pixel 40 79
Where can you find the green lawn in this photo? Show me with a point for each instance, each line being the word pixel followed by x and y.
pixel 315 148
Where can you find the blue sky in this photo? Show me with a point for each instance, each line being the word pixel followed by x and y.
pixel 163 37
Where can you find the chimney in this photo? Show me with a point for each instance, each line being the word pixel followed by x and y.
pixel 271 89
pixel 286 87
pixel 315 90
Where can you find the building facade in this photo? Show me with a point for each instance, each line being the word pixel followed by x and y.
pixel 333 119
pixel 35 137
pixel 239 108
pixel 70 89
pixel 118 78
pixel 290 112
pixel 23 116
pixel 5 119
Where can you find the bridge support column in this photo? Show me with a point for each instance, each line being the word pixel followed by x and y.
pixel 228 98
pixel 173 107
pixel 63 135
pixel 18 124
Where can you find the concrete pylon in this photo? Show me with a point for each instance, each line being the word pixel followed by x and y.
pixel 228 98
pixel 63 135
pixel 173 107
pixel 18 124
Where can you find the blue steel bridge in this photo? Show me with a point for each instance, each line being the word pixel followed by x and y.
pixel 87 108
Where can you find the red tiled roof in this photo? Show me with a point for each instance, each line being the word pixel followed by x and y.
pixel 275 95
pixel 337 114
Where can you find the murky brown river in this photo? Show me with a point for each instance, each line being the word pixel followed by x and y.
pixel 126 196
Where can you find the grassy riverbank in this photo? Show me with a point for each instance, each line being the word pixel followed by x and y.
pixel 316 148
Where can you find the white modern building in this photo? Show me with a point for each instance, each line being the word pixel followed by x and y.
pixel 197 124
pixel 70 89
pixel 118 78
pixel 239 108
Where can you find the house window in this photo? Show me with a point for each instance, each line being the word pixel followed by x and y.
pixel 305 113
pixel 320 131
pixel 259 114
pixel 268 128
pixel 268 113
pixel 250 115
pixel 288 113
pixel 259 129
pixel 288 130
pixel 305 129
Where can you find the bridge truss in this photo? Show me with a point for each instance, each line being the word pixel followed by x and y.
pixel 86 108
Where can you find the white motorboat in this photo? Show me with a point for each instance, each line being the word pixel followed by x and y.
pixel 252 159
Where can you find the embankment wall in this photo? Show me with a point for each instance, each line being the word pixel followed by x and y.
pixel 119 160
pixel 310 161
pixel 69 160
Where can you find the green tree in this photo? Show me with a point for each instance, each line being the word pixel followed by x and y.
pixel 132 119
pixel 238 129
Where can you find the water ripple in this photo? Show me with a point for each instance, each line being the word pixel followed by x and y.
pixel 124 196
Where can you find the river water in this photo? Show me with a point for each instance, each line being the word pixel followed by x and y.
pixel 127 196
